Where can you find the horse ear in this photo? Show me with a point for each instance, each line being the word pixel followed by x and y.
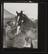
pixel 16 12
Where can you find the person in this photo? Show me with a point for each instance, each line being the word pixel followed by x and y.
pixel 10 31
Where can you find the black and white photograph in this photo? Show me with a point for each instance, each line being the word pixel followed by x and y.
pixel 20 22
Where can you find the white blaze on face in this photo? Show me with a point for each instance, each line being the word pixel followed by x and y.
pixel 18 29
pixel 18 18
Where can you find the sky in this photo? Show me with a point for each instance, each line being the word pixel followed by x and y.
pixel 30 9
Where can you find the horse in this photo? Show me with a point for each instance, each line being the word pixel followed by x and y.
pixel 27 27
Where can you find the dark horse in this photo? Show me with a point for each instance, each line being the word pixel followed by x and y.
pixel 25 25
